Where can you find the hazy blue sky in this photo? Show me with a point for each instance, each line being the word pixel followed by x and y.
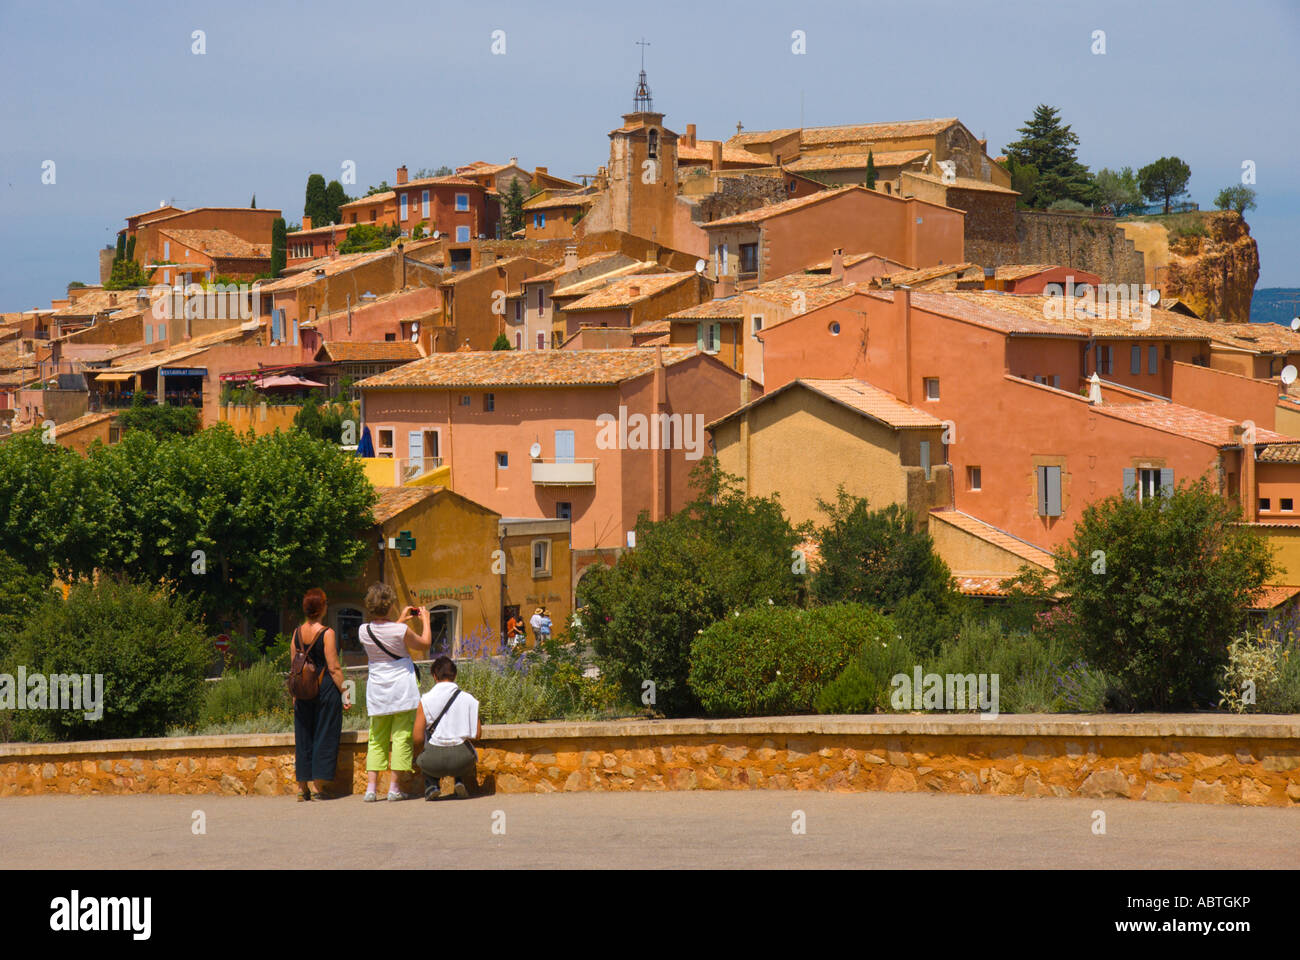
pixel 112 93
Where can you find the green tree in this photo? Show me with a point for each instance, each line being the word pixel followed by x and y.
pixel 1048 145
pixel 1164 180
pixel 514 207
pixel 1024 180
pixel 130 248
pixel 1240 198
pixel 722 553
pixel 1157 587
pixel 502 342
pixel 253 203
pixel 366 237
pixel 127 275
pixel 334 200
pixel 316 202
pixel 121 246
pixel 159 419
pixel 149 646
pixel 1118 191
pixel 871 170
pixel 21 591
pixel 279 246
pixel 382 188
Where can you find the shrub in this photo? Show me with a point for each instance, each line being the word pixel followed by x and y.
pixel 506 695
pixel 258 691
pixel 853 691
pixel 1068 205
pixel 1262 674
pixel 770 660
pixel 149 646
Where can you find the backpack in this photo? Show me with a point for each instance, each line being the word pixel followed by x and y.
pixel 304 675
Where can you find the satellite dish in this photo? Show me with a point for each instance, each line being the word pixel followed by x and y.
pixel 1295 323
pixel 699 266
pixel 535 450
pixel 415 327
pixel 1289 374
pixel 415 338
pixel 1153 297
pixel 437 234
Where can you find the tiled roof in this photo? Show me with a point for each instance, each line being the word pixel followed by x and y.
pixel 160 211
pixel 982 586
pixel 850 259
pixel 653 326
pixel 1272 596
pixel 219 243
pixel 996 536
pixel 777 209
pixel 642 268
pixel 1256 337
pixel 395 500
pixel 719 308
pixel 561 271
pixel 965 183
pixel 1279 453
pixel 460 276
pixel 857 395
pixel 874 132
pixel 561 202
pixel 446 181
pixel 179 352
pixel 912 278
pixel 1018 271
pixel 762 136
pixel 380 350
pixel 628 291
pixel 660 340
pixel 855 161
pixel 730 154
pixel 373 198
pixel 331 266
pixel 69 426
pixel 1184 422
pixel 1164 324
pixel 101 301
pixel 526 368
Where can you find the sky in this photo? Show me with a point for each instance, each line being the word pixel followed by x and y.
pixel 131 116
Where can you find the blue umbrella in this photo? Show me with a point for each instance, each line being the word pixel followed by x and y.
pixel 365 448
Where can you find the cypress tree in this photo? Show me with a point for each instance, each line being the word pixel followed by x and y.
pixel 279 232
pixel 316 204
pixel 871 170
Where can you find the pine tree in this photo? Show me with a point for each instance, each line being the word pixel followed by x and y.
pixel 279 234
pixel 515 206
pixel 316 204
pixel 1048 145
pixel 1164 180
pixel 871 170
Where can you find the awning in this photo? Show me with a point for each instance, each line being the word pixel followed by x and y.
pixel 115 377
pixel 270 383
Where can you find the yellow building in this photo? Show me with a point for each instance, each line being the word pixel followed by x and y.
pixel 471 567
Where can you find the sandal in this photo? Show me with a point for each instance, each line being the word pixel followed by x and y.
pixel 304 796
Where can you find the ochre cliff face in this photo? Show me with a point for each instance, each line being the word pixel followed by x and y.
pixel 1214 274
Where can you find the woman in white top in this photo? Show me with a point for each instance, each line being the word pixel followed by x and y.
pixel 392 691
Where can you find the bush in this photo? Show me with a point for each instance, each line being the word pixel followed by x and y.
pixel 506 695
pixel 1068 205
pixel 148 645
pixel 1264 661
pixel 771 660
pixel 258 691
pixel 853 691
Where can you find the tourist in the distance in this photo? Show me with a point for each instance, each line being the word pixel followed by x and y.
pixel 445 723
pixel 317 723
pixel 392 692
pixel 544 630
pixel 535 621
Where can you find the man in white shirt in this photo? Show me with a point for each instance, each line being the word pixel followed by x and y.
pixel 445 723
pixel 536 623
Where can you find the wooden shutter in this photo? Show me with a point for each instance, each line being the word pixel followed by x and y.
pixel 1130 483
pixel 1135 360
pixel 1049 491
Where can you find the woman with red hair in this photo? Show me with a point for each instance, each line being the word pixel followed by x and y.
pixel 318 723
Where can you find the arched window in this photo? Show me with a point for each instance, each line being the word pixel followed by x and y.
pixel 652 151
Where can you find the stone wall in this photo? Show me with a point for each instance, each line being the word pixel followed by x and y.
pixel 1078 240
pixel 1251 760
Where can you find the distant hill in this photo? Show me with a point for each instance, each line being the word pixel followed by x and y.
pixel 1275 305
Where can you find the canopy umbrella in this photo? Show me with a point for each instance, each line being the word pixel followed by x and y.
pixel 286 381
pixel 365 448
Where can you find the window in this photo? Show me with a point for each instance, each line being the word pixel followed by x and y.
pixel 489 402
pixel 564 446
pixel 1153 359
pixel 709 337
pixel 519 311
pixel 424 203
pixel 503 460
pixel 932 388
pixel 1104 358
pixel 540 305
pixel 464 400
pixel 1265 504
pixel 462 201
pixel 1049 491
pixel 167 250
pixel 972 478
pixel 834 328
pixel 757 321
pixel 541 558
pixel 925 458
pixel 404 213
pixel 1286 504
pixel 722 260
pixel 563 510
pixel 390 338
pixel 749 258
pixel 415 445
pixel 386 441
pixel 1147 482
pixel 374 214
pixel 1056 380
pixel 519 340
pixel 539 220
pixel 348 620
pixel 541 340
pixel 1135 360
pixel 462 234
pixel 148 333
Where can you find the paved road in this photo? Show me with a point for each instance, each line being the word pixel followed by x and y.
pixel 643 830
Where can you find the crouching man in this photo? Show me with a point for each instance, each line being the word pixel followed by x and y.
pixel 445 723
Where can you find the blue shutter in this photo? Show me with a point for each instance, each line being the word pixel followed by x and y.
pixel 1135 360
pixel 1166 483
pixel 925 458
pixel 564 446
pixel 1130 483
pixel 1153 359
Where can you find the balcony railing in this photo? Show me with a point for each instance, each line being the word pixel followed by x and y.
pixel 412 468
pixel 564 473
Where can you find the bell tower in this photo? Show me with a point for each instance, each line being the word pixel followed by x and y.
pixel 643 168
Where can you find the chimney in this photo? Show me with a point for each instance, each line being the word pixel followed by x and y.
pixel 1247 494
pixel 837 264
pixel 570 257
pixel 690 135
pixel 401 175
pixel 540 171
pixel 635 291
pixel 716 145
pixel 514 161
pixel 724 287
pixel 306 222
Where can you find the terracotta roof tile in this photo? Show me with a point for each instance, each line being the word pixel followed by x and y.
pixel 1272 596
pixel 644 268
pixel 1256 337
pixel 561 202
pixel 331 266
pixel 77 423
pixel 857 395
pixel 628 291
pixel 1184 422
pixel 855 161
pixel 875 132
pixel 730 154
pixel 1033 308
pixel 964 183
pixel 103 301
pixel 396 500
pixel 1279 453
pixel 526 368
pixel 1018 271
pixel 220 243
pixel 558 273
pixel 378 350
pixel 777 209
pixel 373 198
pixel 179 352
pixel 719 308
